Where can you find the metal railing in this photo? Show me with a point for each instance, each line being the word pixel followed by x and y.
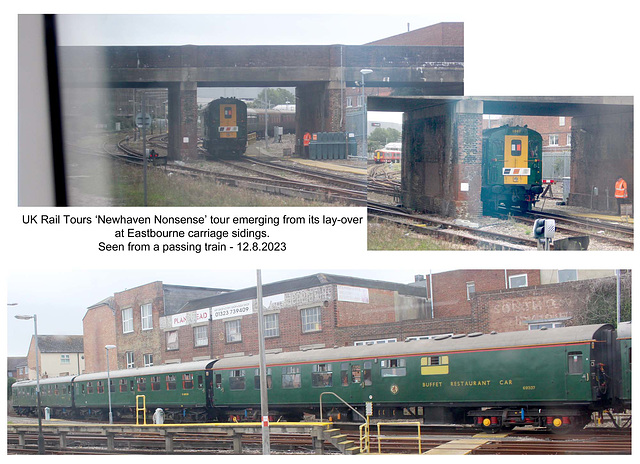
pixel 419 438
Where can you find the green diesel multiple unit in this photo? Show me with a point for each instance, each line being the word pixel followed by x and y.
pixel 551 378
pixel 511 169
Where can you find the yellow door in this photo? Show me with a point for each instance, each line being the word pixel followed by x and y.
pixel 228 123
pixel 516 153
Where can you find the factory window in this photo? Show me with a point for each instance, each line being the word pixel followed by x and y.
pixel 561 121
pixel 142 384
pixel 272 325
pixel 130 361
pixel 233 331
pixel 374 342
pixel 471 289
pixel 122 385
pixel 127 320
pixel 146 316
pixel 568 140
pixel 349 102
pixel 311 319
pixel 256 379
pixel 64 359
pixel 236 379
pixel 148 360
pixel 200 336
pixel 322 375
pixel 155 383
pixel 393 367
pixel 553 140
pixel 187 381
pixel 291 377
pixel 172 340
pixel 567 275
pixel 520 280
pixel 171 381
pixel 575 362
pixel 545 325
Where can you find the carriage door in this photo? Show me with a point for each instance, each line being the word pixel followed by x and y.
pixel 516 155
pixel 577 374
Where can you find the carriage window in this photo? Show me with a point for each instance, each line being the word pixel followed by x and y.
pixel 356 373
pixel 100 387
pixel 367 373
pixel 142 384
pixel 344 374
pixel 171 382
pixel 322 375
pixel 236 380
pixel 218 380
pixel 575 362
pixel 393 367
pixel 187 381
pixel 89 387
pixel 123 385
pixel 256 379
pixel 291 377
pixel 155 383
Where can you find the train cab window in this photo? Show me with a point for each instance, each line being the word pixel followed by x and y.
pixel 171 382
pixel 291 377
pixel 322 375
pixel 393 367
pixel 237 379
pixel 155 383
pixel 187 381
pixel 256 379
pixel 575 363
pixel 228 112
pixel 367 373
pixel 142 384
pixel 516 147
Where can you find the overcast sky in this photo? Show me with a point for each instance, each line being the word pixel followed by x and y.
pixel 60 299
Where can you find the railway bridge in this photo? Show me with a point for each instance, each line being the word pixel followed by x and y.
pixel 442 147
pixel 320 73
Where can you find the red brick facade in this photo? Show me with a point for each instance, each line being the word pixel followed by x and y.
pixel 99 330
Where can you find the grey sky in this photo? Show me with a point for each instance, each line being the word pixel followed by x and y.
pixel 60 299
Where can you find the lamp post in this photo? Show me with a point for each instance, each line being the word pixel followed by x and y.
pixel 35 329
pixel 107 348
pixel 364 72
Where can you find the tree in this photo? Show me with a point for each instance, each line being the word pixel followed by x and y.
pixel 380 137
pixel 600 301
pixel 276 97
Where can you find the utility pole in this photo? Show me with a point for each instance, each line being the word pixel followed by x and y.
pixel 264 401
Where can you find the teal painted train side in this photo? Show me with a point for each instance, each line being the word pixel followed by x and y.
pixel 624 343
pixel 179 389
pixel 55 393
pixel 540 371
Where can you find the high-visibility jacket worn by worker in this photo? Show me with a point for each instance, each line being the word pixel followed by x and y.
pixel 621 188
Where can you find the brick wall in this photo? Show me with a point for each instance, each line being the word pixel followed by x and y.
pixel 99 330
pixel 139 341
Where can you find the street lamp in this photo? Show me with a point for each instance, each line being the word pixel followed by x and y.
pixel 109 347
pixel 35 329
pixel 364 72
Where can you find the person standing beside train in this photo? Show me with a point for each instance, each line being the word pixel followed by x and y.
pixel 621 193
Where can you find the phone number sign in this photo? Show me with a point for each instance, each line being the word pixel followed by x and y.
pixel 219 312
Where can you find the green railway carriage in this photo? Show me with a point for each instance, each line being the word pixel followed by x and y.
pixel 55 393
pixel 181 390
pixel 511 168
pixel 624 342
pixel 553 378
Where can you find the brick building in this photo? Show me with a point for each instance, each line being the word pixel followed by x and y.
pixel 130 319
pixel 310 312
